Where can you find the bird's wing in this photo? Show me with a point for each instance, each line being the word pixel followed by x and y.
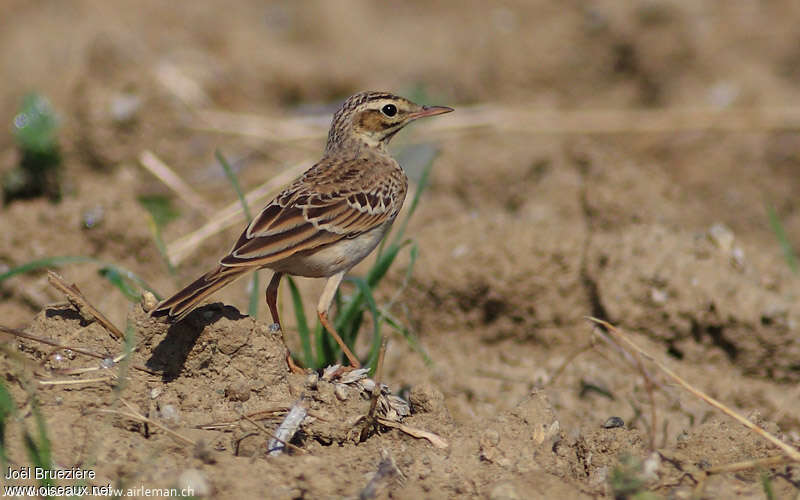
pixel 327 204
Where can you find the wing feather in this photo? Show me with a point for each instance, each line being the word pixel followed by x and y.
pixel 316 211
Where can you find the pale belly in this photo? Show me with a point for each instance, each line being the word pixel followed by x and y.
pixel 340 256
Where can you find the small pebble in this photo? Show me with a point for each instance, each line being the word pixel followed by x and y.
pixel 312 381
pixel 124 107
pixel 238 391
pixel 327 373
pixel 107 363
pixel 169 413
pixel 722 236
pixel 614 422
pixel 93 217
pixel 149 301
pixel 658 296
pixel 194 480
pixel 340 391
pixel 504 491
pixel 650 466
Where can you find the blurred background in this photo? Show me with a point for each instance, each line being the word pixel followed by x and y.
pixel 635 160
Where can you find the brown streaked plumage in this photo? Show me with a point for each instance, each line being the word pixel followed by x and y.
pixel 330 218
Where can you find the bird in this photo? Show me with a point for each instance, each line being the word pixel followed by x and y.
pixel 327 220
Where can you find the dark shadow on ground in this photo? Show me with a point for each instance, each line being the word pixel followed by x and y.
pixel 170 355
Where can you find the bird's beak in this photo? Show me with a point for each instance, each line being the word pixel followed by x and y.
pixel 429 111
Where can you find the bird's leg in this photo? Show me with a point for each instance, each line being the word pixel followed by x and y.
pixel 272 303
pixel 322 310
pixel 272 297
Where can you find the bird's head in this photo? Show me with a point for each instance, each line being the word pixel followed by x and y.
pixel 373 118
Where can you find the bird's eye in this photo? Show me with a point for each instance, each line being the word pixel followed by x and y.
pixel 389 110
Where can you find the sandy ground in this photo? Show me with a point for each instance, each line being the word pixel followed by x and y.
pixel 548 203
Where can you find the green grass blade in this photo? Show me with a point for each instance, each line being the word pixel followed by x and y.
pixel 36 126
pixel 160 208
pixel 117 279
pixel 252 307
pixel 124 364
pixel 382 265
pixel 46 263
pixel 348 319
pixel 39 450
pixel 783 239
pixel 365 290
pixel 412 339
pixel 766 483
pixel 234 182
pixel 255 296
pixel 328 352
pixel 412 259
pixel 161 246
pixel 51 262
pixel 422 185
pixel 7 410
pixel 302 325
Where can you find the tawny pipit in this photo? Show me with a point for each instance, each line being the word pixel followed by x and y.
pixel 329 219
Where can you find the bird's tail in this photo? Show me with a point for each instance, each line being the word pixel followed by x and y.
pixel 183 302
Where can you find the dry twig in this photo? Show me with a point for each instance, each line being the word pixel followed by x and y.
pixel 637 363
pixel 135 415
pixel 434 439
pixel 80 303
pixel 19 333
pixel 790 451
pixel 376 391
pixel 750 464
pixel 74 381
pixel 529 120
pixel 172 180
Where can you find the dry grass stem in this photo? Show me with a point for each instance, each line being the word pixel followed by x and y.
pixel 231 215
pixel 750 464
pixel 76 298
pixel 231 423
pixel 261 127
pixel 74 381
pixel 491 374
pixel 369 421
pixel 649 381
pixel 179 84
pixel 616 121
pixel 436 440
pixel 165 174
pixel 569 359
pixel 790 451
pixel 530 120
pixel 134 415
pixel 19 333
pixel 376 391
